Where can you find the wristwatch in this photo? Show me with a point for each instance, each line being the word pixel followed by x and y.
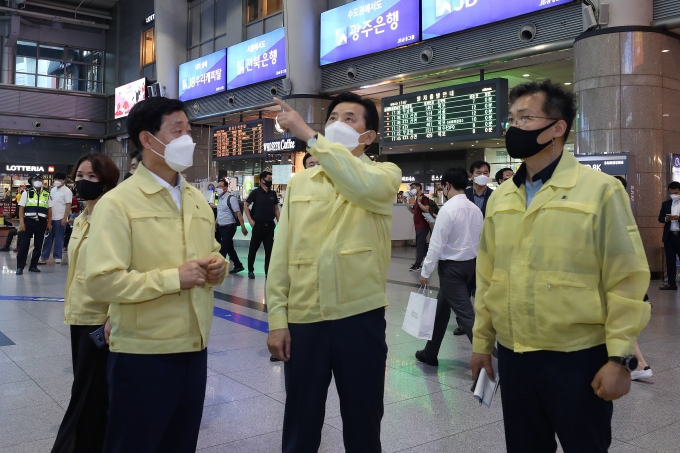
pixel 311 143
pixel 630 362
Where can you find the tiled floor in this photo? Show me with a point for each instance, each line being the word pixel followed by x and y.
pixel 426 409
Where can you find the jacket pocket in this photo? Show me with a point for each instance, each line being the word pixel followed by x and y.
pixel 357 272
pixel 496 299
pixel 563 300
pixel 167 317
pixel 302 273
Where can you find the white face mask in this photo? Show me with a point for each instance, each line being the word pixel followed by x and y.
pixel 179 153
pixel 339 132
pixel 413 192
pixel 481 180
pixel 675 197
pixel 57 184
pixel 219 191
pixel 37 184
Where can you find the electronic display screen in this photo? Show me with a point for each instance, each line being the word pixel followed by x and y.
pixel 242 139
pixel 441 17
pixel 257 60
pixel 472 111
pixel 127 96
pixel 203 76
pixel 364 27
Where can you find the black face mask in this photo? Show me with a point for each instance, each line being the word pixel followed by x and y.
pixel 267 183
pixel 521 144
pixel 89 190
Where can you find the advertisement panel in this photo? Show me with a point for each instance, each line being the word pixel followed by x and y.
pixel 257 60
pixel 441 17
pixel 128 95
pixel 368 26
pixel 203 76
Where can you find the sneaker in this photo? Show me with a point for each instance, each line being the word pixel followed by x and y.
pixel 20 271
pixel 641 374
pixel 237 269
pixel 415 268
pixel 42 261
pixel 251 275
pixel 459 331
pixel 423 357
pixel 34 269
pixel 668 288
pixel 57 262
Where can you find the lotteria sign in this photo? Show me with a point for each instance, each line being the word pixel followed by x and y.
pixel 30 168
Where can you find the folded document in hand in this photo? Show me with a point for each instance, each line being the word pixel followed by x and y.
pixel 485 388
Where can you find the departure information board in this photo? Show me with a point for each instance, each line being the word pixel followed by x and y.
pixel 242 139
pixel 473 111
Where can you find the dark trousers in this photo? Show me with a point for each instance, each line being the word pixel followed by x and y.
pixel 227 234
pixel 454 277
pixel 155 402
pixel 421 245
pixel 672 249
pixel 354 351
pixel 547 393
pixel 263 233
pixel 10 236
pixel 84 426
pixel 35 229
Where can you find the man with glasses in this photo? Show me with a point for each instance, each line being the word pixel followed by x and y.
pixel 561 274
pixel 503 175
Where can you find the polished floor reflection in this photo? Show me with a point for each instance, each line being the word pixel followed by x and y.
pixel 426 409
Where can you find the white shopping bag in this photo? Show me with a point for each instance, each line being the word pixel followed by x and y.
pixel 420 314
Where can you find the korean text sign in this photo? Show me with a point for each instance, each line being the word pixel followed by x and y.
pixel 364 27
pixel 203 76
pixel 257 60
pixel 441 17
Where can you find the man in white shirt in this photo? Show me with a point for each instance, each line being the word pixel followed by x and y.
pixel 453 244
pixel 61 209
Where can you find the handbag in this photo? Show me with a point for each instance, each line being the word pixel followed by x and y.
pixel 420 314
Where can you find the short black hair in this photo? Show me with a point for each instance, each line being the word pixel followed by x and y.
pixel 148 114
pixel 479 164
pixel 499 174
pixel 370 110
pixel 457 177
pixel 305 159
pixel 60 175
pixel 674 185
pixel 417 184
pixel 103 166
pixel 559 103
pixel 623 181
pixel 136 155
pixel 264 174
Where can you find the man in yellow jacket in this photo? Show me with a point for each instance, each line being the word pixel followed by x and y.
pixel 561 274
pixel 154 259
pixel 326 289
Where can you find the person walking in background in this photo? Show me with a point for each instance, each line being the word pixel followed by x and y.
pixel 35 218
pixel 62 197
pixel 420 205
pixel 326 291
pixel 503 175
pixel 561 275
pixel 479 192
pixel 228 217
pixel 453 247
pixel 83 428
pixel 670 217
pixel 155 263
pixel 265 208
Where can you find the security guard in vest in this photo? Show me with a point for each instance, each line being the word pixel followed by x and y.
pixel 35 217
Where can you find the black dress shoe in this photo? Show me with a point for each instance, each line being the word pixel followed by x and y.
pixel 4 249
pixel 251 275
pixel 423 357
pixel 33 269
pixel 20 271
pixel 459 331
pixel 237 269
pixel 668 288
pixel 273 359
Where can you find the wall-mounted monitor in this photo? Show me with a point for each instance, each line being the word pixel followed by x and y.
pixel 441 17
pixel 203 76
pixel 257 60
pixel 364 27
pixel 127 96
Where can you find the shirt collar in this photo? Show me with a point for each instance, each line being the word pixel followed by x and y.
pixel 543 175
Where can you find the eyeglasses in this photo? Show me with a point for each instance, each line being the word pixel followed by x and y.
pixel 521 121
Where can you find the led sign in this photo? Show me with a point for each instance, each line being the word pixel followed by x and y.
pixel 203 76
pixel 257 60
pixel 150 18
pixel 28 168
pixel 441 17
pixel 127 96
pixel 284 145
pixel 363 27
pixel 473 111
pixel 242 139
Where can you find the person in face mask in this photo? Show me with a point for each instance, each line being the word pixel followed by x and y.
pixel 326 289
pixel 421 204
pixel 135 160
pixel 62 198
pixel 310 161
pixel 84 425
pixel 479 192
pixel 155 264
pixel 561 277
pixel 35 218
pixel 670 217
pixel 261 208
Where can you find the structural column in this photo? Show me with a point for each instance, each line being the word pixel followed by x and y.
pixel 628 86
pixel 171 42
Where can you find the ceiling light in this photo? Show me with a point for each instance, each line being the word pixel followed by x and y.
pixel 567 83
pixel 526 75
pixel 665 51
pixel 666 114
pixel 473 145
